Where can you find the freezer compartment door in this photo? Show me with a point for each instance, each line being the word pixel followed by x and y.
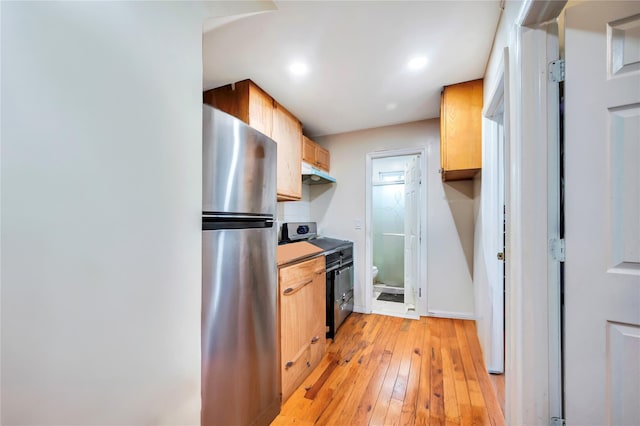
pixel 240 346
pixel 238 166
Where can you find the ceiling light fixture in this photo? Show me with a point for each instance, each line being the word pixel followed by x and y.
pixel 299 68
pixel 417 63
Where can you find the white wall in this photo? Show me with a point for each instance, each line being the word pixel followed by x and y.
pixel 101 201
pixel 338 207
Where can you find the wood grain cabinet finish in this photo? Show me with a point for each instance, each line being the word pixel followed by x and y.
pixel 302 301
pixel 287 132
pixel 314 154
pixel 248 102
pixel 461 130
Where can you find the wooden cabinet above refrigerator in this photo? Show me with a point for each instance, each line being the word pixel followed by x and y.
pixel 248 102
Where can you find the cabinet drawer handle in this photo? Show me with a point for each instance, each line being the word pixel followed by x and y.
pixel 288 365
pixel 290 290
pixel 315 340
pixel 319 271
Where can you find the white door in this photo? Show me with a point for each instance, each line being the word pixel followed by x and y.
pixel 411 229
pixel 602 212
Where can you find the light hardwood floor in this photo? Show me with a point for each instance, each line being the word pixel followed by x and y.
pixel 391 371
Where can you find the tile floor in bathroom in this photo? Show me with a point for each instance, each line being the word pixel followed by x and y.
pixel 391 308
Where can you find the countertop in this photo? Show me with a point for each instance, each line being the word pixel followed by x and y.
pixel 295 252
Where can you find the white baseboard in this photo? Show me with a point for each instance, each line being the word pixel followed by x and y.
pixel 360 309
pixel 452 315
pixel 412 315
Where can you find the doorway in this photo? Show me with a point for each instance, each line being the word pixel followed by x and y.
pixel 395 222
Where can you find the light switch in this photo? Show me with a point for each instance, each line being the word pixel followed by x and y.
pixel 357 224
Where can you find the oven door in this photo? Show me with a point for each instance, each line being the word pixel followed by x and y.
pixel 343 295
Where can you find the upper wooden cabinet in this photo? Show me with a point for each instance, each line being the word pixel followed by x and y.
pixel 287 131
pixel 254 106
pixel 314 154
pixel 461 130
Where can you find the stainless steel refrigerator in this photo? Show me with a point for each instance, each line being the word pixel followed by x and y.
pixel 240 346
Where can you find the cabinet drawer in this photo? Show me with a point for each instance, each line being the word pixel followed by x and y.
pixel 292 278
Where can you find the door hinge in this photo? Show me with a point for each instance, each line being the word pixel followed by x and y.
pixel 420 292
pixel 557 421
pixel 557 249
pixel 556 71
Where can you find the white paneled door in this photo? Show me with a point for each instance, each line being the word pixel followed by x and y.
pixel 602 211
pixel 411 229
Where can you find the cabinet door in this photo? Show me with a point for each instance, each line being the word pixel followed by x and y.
pixel 322 158
pixel 254 106
pixel 296 295
pixel 245 101
pixel 308 150
pixel 287 132
pixel 314 154
pixel 302 319
pixel 260 109
pixel 461 124
pixel 317 325
pixel 225 99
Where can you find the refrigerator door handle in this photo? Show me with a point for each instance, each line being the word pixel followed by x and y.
pixel 235 216
pixel 214 223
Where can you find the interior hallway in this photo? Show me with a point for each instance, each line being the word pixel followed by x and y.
pixel 384 370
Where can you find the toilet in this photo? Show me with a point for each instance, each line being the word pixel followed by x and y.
pixel 374 273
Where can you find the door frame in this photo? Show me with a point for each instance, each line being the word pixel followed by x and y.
pixel 533 380
pixel 421 277
pixel 498 100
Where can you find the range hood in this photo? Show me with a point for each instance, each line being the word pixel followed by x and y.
pixel 314 176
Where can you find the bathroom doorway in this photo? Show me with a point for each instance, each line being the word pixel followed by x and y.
pixel 395 212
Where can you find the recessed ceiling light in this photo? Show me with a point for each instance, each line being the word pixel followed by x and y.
pixel 299 68
pixel 417 63
pixel 391 106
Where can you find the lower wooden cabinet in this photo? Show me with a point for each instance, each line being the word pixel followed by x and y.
pixel 302 289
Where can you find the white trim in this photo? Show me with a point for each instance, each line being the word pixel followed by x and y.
pixel 421 302
pixel 496 99
pixel 527 303
pixel 493 197
pixel 553 229
pixel 360 309
pixel 391 313
pixel 452 315
pixel 528 336
pixel 537 12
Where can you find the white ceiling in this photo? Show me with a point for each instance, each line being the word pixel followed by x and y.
pixel 357 53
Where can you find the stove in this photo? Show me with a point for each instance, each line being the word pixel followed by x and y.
pixel 339 267
pixel 308 231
